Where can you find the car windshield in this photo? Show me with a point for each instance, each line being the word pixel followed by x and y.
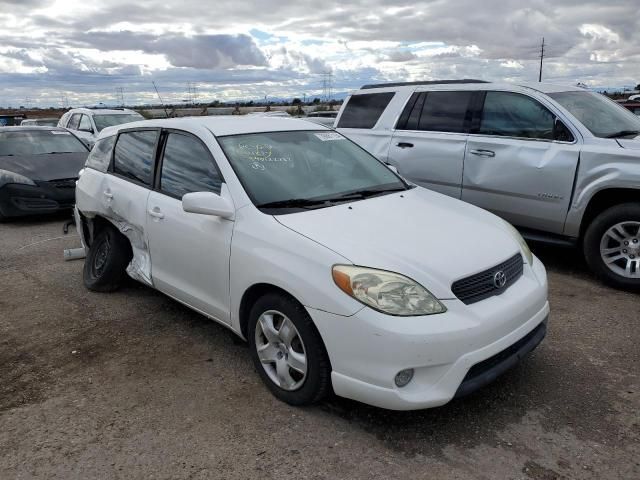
pixel 39 142
pixel 603 117
pixel 306 169
pixel 109 120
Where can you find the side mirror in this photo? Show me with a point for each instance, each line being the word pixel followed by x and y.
pixel 208 203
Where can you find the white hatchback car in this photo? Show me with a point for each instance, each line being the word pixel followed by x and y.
pixel 339 273
pixel 87 123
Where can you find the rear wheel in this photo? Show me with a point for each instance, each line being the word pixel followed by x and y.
pixel 106 262
pixel 287 350
pixel 612 246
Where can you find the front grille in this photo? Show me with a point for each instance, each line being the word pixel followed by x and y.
pixel 481 285
pixel 63 183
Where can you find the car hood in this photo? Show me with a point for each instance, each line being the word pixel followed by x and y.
pixel 45 167
pixel 429 237
pixel 631 143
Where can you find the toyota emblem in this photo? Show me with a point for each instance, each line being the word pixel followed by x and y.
pixel 499 279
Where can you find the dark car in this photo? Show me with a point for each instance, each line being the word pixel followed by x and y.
pixel 38 169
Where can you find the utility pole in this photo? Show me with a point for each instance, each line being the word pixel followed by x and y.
pixel 541 58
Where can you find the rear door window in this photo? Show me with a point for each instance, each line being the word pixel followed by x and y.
pixel 363 111
pixel 74 121
pixel 187 166
pixel 509 114
pixel 134 155
pixel 437 112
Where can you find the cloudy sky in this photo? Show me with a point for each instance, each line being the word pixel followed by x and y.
pixel 84 51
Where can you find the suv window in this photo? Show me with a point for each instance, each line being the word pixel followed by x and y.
pixel 85 123
pixel 187 166
pixel 134 155
pixel 437 112
pixel 100 156
pixel 74 121
pixel 511 114
pixel 363 111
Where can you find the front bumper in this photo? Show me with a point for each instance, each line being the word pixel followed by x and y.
pixel 368 349
pixel 17 200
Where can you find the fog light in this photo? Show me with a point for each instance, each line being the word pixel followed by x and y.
pixel 403 377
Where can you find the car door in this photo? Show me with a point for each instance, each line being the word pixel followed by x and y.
pixel 189 252
pixel 126 189
pixel 428 144
pixel 520 161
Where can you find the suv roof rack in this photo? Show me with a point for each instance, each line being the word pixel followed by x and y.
pixel 426 82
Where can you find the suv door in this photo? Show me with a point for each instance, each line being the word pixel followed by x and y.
pixel 189 252
pixel 428 144
pixel 520 161
pixel 126 189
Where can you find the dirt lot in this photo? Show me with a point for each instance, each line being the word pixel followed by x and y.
pixel 133 385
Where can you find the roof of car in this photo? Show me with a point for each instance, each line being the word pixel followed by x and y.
pixel 467 85
pixel 110 111
pixel 25 128
pixel 221 125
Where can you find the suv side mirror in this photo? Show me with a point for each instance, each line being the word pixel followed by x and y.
pixel 560 132
pixel 208 203
pixel 88 130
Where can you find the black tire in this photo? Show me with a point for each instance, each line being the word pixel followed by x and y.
pixel 626 212
pixel 317 384
pixel 107 260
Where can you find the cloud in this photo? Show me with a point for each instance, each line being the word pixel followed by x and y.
pixel 253 48
pixel 197 51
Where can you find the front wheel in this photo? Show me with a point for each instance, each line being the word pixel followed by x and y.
pixel 287 350
pixel 612 246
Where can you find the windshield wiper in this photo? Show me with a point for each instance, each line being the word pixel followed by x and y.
pixel 294 203
pixel 54 153
pixel 366 193
pixel 623 133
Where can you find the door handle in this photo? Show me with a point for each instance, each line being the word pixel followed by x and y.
pixel 404 145
pixel 156 213
pixel 483 153
pixel 108 194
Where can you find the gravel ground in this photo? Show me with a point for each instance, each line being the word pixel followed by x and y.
pixel 134 385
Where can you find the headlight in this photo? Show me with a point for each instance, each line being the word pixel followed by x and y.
pixel 10 177
pixel 386 292
pixel 525 248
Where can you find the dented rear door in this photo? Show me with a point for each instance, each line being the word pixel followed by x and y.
pixel 514 168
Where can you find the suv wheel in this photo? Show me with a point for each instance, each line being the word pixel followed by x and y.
pixel 612 246
pixel 107 260
pixel 287 350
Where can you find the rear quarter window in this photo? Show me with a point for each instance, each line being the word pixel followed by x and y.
pixel 100 155
pixel 363 111
pixel 134 155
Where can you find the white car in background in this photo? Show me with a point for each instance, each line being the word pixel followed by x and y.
pixel 87 123
pixel 323 117
pixel 339 273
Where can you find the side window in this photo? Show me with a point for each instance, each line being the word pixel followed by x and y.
pixel 187 166
pixel 363 111
pixel 134 155
pixel 100 155
pixel 437 112
pixel 85 124
pixel 514 115
pixel 74 121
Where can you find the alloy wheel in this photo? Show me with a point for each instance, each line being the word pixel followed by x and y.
pixel 620 249
pixel 281 350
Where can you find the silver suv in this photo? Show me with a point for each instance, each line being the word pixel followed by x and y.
pixel 560 163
